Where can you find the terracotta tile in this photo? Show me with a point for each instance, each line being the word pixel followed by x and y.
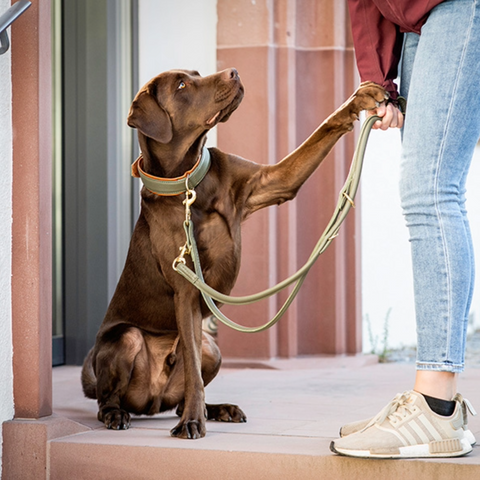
pixel 292 416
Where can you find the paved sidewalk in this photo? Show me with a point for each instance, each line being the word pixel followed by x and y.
pixel 294 408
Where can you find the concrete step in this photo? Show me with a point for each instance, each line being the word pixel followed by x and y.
pixel 150 454
pixel 294 409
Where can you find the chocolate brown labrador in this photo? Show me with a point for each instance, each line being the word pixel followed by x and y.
pixel 150 353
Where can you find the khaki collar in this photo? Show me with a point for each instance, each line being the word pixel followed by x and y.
pixel 177 185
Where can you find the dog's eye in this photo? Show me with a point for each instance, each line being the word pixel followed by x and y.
pixel 181 85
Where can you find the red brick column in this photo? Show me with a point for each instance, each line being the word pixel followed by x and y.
pixel 296 61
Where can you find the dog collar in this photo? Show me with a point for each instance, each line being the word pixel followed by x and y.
pixel 173 186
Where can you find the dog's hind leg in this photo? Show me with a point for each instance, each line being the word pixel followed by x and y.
pixel 114 365
pixel 211 361
pixel 89 382
pixel 225 412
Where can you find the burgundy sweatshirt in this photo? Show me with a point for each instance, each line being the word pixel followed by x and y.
pixel 378 27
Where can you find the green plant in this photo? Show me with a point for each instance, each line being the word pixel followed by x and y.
pixel 382 354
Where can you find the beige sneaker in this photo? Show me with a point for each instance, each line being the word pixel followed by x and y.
pixel 464 403
pixel 407 428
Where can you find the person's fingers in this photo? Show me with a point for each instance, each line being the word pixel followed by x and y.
pixel 391 117
pixel 380 111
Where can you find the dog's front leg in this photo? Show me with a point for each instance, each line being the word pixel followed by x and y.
pixel 189 322
pixel 275 184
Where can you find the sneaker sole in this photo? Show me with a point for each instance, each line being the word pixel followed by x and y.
pixel 414 451
pixel 468 435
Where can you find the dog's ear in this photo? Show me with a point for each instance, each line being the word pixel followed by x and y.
pixel 147 116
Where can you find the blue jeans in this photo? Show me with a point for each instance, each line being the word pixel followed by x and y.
pixel 440 77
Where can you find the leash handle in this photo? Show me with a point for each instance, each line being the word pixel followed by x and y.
pixel 345 202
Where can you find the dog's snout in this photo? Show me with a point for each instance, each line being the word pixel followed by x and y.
pixel 230 74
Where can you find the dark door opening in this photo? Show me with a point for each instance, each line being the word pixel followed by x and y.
pixel 95 199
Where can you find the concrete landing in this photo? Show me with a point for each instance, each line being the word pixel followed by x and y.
pixel 294 409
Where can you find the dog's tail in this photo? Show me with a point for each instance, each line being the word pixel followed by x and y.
pixel 89 381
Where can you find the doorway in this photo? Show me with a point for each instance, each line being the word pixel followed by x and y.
pixel 95 201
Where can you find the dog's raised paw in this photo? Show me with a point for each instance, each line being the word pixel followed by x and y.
pixel 226 412
pixel 368 96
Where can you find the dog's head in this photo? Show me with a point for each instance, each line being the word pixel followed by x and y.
pixel 180 102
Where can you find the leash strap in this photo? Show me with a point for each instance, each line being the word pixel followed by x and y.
pixel 345 202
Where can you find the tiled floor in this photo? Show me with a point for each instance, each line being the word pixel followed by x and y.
pixel 301 398
pixel 307 399
pixel 294 409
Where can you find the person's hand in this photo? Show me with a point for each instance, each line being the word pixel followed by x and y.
pixel 391 117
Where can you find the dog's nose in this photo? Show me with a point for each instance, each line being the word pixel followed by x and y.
pixel 230 74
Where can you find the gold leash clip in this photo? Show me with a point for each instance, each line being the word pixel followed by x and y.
pixel 190 197
pixel 185 250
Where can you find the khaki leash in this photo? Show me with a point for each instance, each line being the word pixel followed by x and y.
pixel 345 202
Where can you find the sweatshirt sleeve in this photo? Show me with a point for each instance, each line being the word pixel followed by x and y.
pixel 378 45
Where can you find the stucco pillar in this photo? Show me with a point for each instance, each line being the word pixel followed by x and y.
pixel 31 228
pixel 244 39
pixel 295 59
pixel 329 303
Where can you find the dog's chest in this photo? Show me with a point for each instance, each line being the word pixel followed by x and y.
pixel 219 246
pixel 217 231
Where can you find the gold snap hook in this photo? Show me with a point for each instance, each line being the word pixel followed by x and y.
pixel 185 250
pixel 190 197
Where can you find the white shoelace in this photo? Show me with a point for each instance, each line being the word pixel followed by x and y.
pixel 398 409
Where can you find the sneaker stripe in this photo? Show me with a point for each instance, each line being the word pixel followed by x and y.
pixel 395 431
pixel 420 432
pixel 408 438
pixel 428 425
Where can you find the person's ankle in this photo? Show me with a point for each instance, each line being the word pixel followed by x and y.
pixel 441 385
